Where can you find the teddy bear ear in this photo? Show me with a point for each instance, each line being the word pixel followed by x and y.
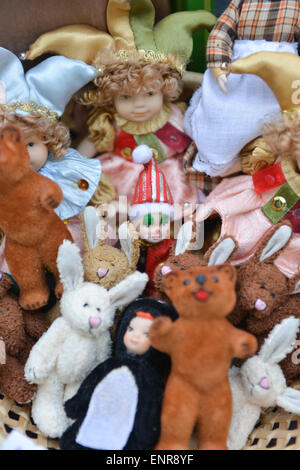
pixel 228 270
pixel 273 243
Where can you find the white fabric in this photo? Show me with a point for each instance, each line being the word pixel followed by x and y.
pixel 111 413
pixel 221 125
pixel 52 83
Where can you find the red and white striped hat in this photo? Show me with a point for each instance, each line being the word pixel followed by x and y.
pixel 152 193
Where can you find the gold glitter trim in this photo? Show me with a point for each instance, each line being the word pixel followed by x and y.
pixel 153 56
pixel 32 107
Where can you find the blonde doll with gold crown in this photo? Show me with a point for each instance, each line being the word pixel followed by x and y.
pixel 140 76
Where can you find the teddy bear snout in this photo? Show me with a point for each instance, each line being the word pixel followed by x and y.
pixel 260 305
pixel 102 272
pixel 201 279
pixel 94 322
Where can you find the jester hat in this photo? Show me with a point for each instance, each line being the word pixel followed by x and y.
pixel 132 30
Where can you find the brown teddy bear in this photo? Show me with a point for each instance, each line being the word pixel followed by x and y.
pixel 33 230
pixel 19 330
pixel 201 344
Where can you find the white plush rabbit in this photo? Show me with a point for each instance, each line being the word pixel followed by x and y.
pixel 77 341
pixel 260 383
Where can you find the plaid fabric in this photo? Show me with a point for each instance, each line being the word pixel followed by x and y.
pixel 253 20
pixel 202 181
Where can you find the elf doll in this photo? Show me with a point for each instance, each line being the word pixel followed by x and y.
pixel 225 113
pixel 151 212
pixel 140 76
pixel 249 205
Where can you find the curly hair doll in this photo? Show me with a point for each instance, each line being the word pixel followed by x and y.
pixel 35 101
pixel 140 76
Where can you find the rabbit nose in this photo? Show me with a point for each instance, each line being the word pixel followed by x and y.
pixel 260 305
pixel 264 383
pixel 102 272
pixel 165 270
pixel 94 322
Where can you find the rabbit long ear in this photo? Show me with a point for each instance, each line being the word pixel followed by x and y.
pixel 70 265
pixel 273 243
pixel 184 237
pixel 129 242
pixel 93 226
pixel 290 400
pixel 280 341
pixel 220 252
pixel 128 289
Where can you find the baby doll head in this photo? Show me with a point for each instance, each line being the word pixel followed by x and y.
pixel 133 326
pixel 135 89
pixel 203 290
pixel 42 135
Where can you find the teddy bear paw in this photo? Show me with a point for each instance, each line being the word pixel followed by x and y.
pixel 33 300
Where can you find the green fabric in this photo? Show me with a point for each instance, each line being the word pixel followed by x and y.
pixel 142 18
pixel 174 33
pixel 198 59
pixel 291 199
pixel 153 142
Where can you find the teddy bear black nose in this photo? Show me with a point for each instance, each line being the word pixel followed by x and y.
pixel 201 279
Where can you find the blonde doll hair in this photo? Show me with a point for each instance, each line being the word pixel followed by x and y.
pixel 283 134
pixel 136 74
pixel 54 135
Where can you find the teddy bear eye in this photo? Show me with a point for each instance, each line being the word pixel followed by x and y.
pixel 215 279
pixel 272 294
pixel 186 282
pixel 262 286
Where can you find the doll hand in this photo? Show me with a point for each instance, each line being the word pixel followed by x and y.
pixel 220 75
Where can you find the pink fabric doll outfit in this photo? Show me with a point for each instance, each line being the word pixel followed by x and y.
pixel 124 173
pixel 239 207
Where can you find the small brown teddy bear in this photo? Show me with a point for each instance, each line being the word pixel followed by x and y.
pixel 19 330
pixel 201 344
pixel 33 231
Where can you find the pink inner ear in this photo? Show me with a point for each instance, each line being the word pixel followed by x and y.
pixel 2 93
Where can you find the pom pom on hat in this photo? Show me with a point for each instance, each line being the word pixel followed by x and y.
pixel 142 154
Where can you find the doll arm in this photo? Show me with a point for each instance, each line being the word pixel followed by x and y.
pixel 160 334
pixel 221 39
pixel 87 148
pixel 244 344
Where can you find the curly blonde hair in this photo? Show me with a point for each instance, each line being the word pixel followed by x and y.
pixel 283 134
pixel 55 135
pixel 137 74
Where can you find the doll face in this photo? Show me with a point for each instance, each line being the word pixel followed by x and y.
pixel 136 337
pixel 152 227
pixel 139 107
pixel 38 152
